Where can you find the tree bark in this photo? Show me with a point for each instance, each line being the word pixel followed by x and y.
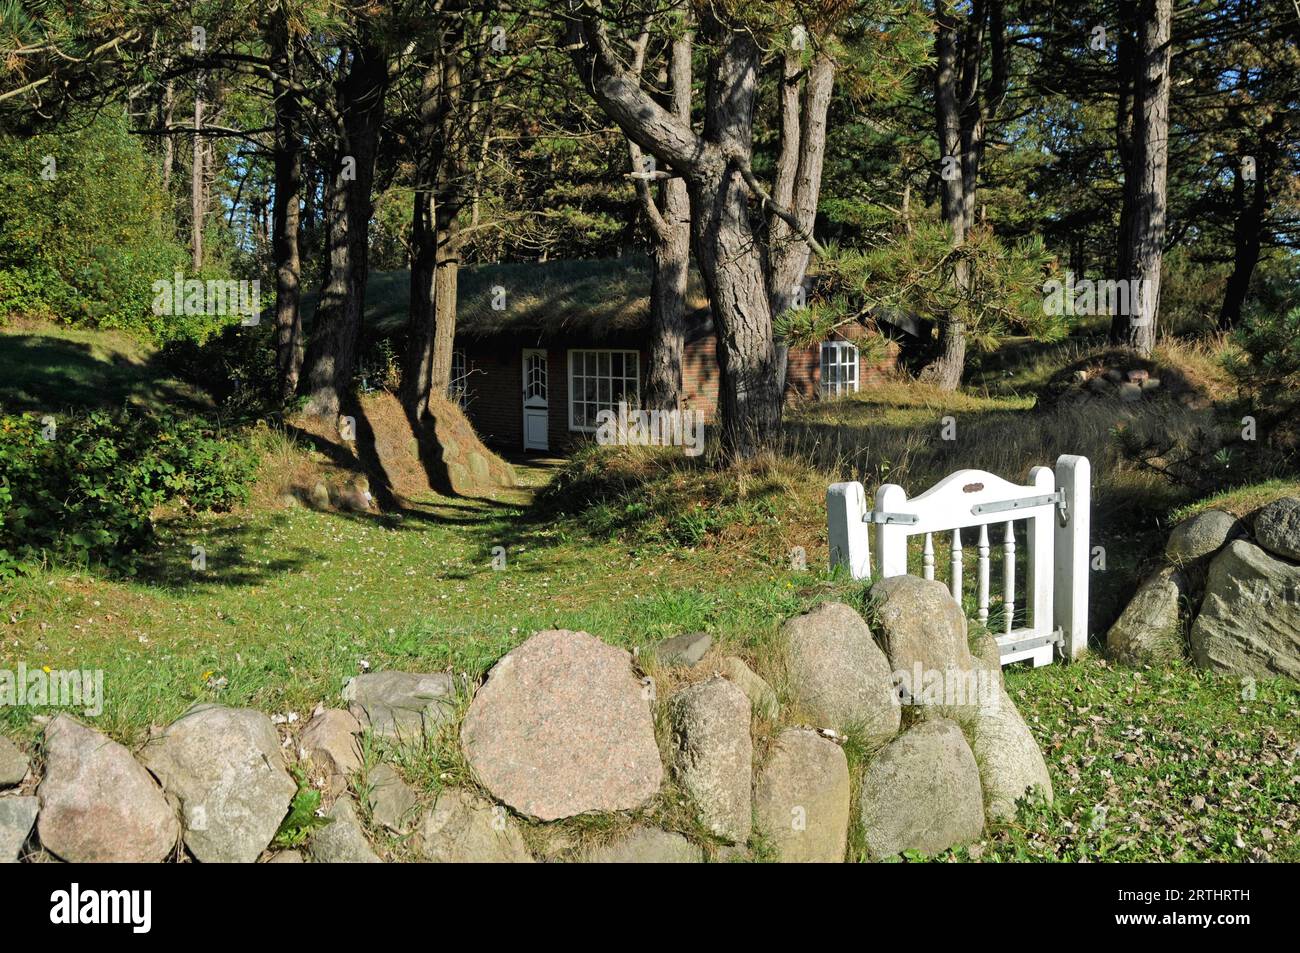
pixel 450 114
pixel 1150 162
pixel 197 204
pixel 285 221
pixel 1247 236
pixel 1129 65
pixel 714 165
pixel 797 186
pixel 946 370
pixel 670 247
pixel 333 352
pixel 964 105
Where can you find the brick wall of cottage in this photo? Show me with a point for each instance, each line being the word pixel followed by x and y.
pixel 496 383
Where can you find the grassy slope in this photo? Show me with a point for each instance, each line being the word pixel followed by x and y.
pixel 44 368
pixel 295 601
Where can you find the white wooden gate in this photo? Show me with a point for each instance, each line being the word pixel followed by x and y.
pixel 1054 505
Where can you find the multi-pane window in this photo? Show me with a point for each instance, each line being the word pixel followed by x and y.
pixel 598 380
pixel 459 389
pixel 839 368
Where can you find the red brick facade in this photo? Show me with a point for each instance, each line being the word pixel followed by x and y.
pixel 495 384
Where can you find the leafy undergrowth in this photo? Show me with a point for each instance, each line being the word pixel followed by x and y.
pixel 1156 765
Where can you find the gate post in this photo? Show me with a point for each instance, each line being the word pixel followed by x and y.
pixel 1070 612
pixel 891 539
pixel 846 533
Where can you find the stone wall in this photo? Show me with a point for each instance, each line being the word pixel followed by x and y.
pixel 841 740
pixel 1228 596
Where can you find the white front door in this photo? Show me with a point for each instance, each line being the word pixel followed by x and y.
pixel 536 385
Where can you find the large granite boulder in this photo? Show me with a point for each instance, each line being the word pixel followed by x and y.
pixel 1010 762
pixel 920 624
pixel 1277 528
pixel 922 792
pixel 1150 630
pixel 461 828
pixel 838 676
pixel 223 765
pixel 713 755
pixel 1202 535
pixel 1249 623
pixel 98 805
pixel 562 726
pixel 801 798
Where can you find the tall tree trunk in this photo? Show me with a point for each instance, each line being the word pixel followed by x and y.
pixel 728 253
pixel 1129 67
pixel 670 251
pixel 333 353
pixel 1151 162
pixel 449 108
pixel 285 223
pixel 797 185
pixel 716 166
pixel 166 106
pixel 417 374
pixel 946 370
pixel 1247 236
pixel 197 203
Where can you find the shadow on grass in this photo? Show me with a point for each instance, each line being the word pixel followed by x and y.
pixel 45 373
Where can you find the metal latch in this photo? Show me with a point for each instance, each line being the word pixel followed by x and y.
pixel 1025 503
pixel 1055 637
pixel 877 517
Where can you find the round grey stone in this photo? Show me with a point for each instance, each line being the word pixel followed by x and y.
pixel 713 754
pixel 1277 528
pixel 1010 762
pixel 463 829
pixel 1201 535
pixel 225 768
pixel 801 798
pixel 98 805
pixel 838 676
pixel 922 792
pixel 1149 630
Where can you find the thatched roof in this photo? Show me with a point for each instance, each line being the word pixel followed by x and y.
pixel 595 299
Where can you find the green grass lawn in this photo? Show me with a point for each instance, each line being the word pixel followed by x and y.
pixel 1147 765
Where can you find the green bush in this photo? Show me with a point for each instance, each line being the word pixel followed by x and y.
pixel 1270 344
pixel 82 489
pixel 83 239
pixel 237 366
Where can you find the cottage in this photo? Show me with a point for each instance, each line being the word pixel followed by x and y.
pixel 542 348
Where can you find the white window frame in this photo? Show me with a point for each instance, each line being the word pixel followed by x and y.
pixel 843 356
pixel 634 378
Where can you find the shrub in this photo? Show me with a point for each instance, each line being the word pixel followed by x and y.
pixel 236 366
pixel 82 490
pixel 1270 342
pixel 83 239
